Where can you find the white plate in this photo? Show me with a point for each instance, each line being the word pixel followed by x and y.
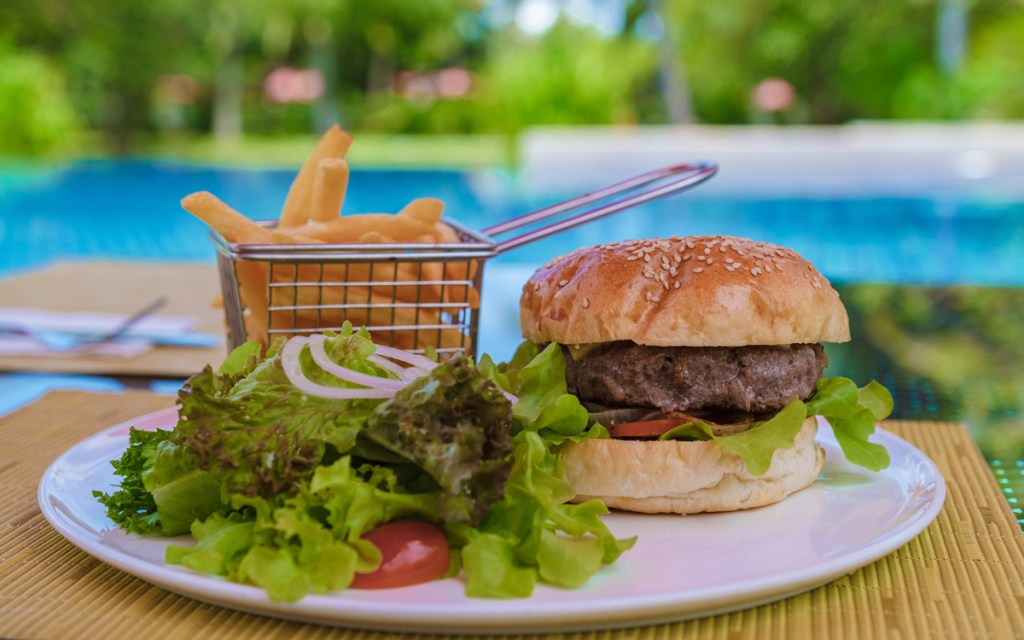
pixel 681 567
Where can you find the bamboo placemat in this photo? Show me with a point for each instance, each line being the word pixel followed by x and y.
pixel 962 577
pixel 121 287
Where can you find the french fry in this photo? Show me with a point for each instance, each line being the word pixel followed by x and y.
pixel 329 189
pixel 381 276
pixel 252 288
pixel 446 233
pixel 234 226
pixel 389 324
pixel 352 228
pixel 297 205
pixel 224 220
pixel 406 303
pixel 426 210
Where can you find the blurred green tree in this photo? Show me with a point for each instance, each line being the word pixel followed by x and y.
pixel 849 59
pixel 134 68
pixel 569 75
pixel 36 116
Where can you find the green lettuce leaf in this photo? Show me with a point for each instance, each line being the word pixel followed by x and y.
pixel 132 506
pixel 534 534
pixel 454 424
pixel 851 412
pixel 757 444
pixel 309 542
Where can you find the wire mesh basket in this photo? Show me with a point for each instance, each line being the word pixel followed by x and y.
pixel 413 296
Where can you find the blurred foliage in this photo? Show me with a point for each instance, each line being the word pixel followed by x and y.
pixel 852 59
pixel 964 342
pixel 134 69
pixel 36 115
pixel 570 76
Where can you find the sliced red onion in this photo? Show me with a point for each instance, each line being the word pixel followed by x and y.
pixel 320 357
pixel 420 365
pixel 404 356
pixel 378 387
pixel 408 374
pixel 292 366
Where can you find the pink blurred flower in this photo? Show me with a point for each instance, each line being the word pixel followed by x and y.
pixel 284 85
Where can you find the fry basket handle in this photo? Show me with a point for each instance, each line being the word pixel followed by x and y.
pixel 683 176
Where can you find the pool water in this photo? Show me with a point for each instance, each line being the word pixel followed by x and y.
pixel 129 210
pixel 930 282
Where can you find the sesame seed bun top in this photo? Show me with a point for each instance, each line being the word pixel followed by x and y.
pixel 692 291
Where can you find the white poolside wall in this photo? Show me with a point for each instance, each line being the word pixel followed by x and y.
pixel 863 159
pixel 876 158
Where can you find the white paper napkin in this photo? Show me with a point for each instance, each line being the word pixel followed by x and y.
pixel 126 346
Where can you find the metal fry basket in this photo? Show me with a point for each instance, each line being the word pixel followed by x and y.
pixel 412 296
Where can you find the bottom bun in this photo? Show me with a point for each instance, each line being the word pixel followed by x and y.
pixel 674 476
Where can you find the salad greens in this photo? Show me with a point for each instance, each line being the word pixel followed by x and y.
pixel 852 412
pixel 278 487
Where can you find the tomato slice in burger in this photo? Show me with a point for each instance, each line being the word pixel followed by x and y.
pixel 644 428
pixel 412 551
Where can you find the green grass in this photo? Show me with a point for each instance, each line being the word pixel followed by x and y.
pixel 368 150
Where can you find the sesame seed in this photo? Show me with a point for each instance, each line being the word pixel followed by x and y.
pixel 665 285
pixel 698 270
pixel 687 257
pixel 586 302
pixel 631 258
pixel 647 258
pixel 707 250
pixel 702 258
pixel 710 260
pixel 768 268
pixel 562 283
pixel 655 298
pixel 755 271
pixel 677 285
pixel 728 259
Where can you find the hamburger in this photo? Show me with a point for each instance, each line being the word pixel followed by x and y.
pixel 692 352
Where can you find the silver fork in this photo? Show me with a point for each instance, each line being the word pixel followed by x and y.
pixel 57 340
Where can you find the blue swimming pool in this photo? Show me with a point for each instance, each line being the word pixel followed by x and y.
pixel 129 210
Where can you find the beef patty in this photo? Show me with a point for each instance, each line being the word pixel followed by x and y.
pixel 753 379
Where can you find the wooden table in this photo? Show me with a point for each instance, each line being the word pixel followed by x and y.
pixel 963 577
pixel 121 287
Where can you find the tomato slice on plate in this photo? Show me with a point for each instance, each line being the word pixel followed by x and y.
pixel 412 551
pixel 643 429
